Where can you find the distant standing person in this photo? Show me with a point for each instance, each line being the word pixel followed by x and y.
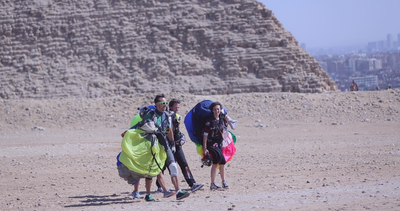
pixel 353 86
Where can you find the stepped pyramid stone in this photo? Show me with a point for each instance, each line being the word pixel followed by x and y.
pixel 103 48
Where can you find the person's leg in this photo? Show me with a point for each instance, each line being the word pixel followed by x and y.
pixel 222 172
pixel 173 170
pixel 172 167
pixel 213 172
pixel 159 187
pixel 214 186
pixel 161 181
pixel 148 196
pixel 175 182
pixel 148 185
pixel 136 186
pixel 158 183
pixel 181 160
pixel 135 192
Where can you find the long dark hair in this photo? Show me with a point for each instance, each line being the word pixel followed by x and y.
pixel 215 104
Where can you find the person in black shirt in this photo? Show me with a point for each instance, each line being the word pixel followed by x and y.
pixel 179 138
pixel 212 143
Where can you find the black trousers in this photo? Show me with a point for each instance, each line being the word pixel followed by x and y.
pixel 181 160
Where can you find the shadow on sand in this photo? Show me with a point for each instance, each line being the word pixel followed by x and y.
pixel 93 200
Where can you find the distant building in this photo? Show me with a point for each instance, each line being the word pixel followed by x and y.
pixel 364 65
pixel 352 65
pixel 365 83
pixel 372 46
pixel 377 64
pixel 369 70
pixel 332 67
pixel 337 67
pixel 381 45
pixel 389 41
pixel 391 60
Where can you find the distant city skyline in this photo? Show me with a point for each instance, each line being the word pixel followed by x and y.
pixel 335 23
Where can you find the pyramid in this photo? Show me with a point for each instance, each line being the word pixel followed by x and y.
pixel 91 49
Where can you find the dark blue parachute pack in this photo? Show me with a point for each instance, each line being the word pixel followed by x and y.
pixel 196 119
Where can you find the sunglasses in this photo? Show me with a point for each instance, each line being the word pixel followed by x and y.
pixel 163 103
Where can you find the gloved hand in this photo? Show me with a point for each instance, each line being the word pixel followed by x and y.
pixel 173 148
pixel 181 140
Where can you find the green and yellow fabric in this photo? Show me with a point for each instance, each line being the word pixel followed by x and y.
pixel 141 152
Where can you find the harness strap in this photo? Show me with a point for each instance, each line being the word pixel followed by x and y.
pixel 154 156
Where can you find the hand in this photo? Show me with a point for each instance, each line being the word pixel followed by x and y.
pixel 205 151
pixel 123 134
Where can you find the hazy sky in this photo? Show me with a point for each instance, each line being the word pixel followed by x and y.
pixel 329 23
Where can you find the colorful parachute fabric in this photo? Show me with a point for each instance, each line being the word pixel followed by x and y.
pixel 137 153
pixel 228 151
pixel 195 121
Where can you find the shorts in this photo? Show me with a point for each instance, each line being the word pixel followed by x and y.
pixel 216 155
pixel 129 175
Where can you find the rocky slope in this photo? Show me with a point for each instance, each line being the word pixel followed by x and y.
pixel 100 48
pixel 260 110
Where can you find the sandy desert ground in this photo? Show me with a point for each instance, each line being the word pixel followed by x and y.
pixel 331 151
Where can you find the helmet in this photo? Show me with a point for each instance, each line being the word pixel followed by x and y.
pixel 206 160
pixel 216 154
pixel 143 110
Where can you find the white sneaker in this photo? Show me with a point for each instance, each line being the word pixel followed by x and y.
pixel 136 194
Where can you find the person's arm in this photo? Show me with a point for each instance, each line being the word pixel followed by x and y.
pixel 170 126
pixel 206 132
pixel 171 134
pixel 205 137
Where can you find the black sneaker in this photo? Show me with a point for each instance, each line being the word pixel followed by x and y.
pixel 148 197
pixel 181 195
pixel 214 186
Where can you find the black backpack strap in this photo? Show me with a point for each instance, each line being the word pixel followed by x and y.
pixel 154 154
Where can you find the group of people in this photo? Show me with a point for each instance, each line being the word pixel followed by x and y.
pixel 354 87
pixel 171 138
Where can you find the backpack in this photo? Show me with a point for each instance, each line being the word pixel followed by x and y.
pixel 196 118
